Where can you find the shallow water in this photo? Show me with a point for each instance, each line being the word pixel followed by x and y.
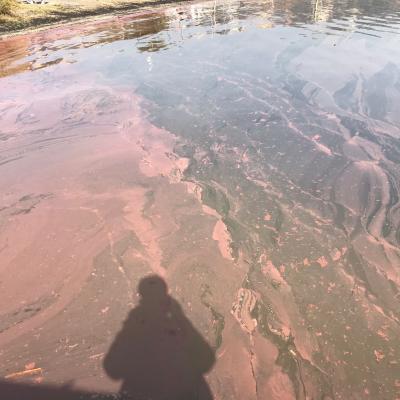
pixel 247 152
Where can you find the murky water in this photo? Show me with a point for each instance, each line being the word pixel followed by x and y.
pixel 247 152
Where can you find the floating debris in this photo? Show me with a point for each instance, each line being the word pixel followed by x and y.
pixel 27 372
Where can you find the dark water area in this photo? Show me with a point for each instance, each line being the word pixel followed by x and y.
pixel 286 115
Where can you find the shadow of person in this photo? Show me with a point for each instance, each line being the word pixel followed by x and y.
pixel 158 354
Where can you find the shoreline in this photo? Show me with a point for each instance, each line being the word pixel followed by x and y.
pixel 31 18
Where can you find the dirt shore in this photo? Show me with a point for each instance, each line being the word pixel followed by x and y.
pixel 33 16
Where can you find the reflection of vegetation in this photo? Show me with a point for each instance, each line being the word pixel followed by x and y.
pixel 129 29
pixel 144 27
pixel 151 45
pixel 15 49
pixel 150 28
pixel 323 10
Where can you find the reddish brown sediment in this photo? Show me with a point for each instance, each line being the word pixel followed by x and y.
pixel 273 383
pixel 90 204
pixel 78 196
pixel 233 370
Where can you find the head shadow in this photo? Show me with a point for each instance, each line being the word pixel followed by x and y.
pixel 158 354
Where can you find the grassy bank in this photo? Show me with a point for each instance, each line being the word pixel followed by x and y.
pixel 7 7
pixel 15 17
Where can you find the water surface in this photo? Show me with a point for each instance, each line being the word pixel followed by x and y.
pixel 247 152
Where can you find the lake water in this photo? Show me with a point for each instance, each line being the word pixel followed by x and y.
pixel 248 152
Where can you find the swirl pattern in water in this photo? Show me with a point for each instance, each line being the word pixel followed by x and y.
pixel 246 152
